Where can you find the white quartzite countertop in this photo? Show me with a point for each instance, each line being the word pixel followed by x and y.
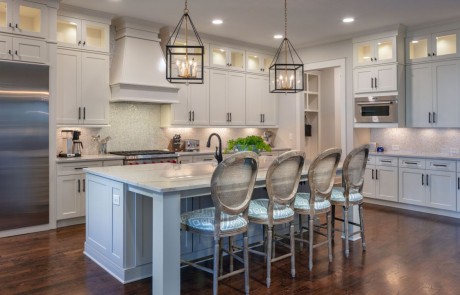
pixel 169 177
pixel 443 156
pixel 86 158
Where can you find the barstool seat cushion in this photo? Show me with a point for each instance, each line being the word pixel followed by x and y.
pixel 258 209
pixel 203 220
pixel 302 202
pixel 337 196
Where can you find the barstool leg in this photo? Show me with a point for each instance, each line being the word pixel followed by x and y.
pixel 361 222
pixel 301 232
pixel 345 224
pixel 310 244
pixel 269 254
pixel 329 232
pixel 333 222
pixel 292 249
pixel 230 250
pixel 221 258
pixel 273 242
pixel 215 274
pixel 246 262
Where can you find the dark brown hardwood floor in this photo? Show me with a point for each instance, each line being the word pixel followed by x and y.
pixel 407 253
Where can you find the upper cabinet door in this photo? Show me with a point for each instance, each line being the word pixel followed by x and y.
pixel 363 53
pixel 28 50
pixel 269 104
pixel 68 86
pixel 385 50
pixel 218 114
pixel 69 32
pixel 254 100
pixel 385 78
pixel 236 98
pixel 95 36
pixel 419 95
pixel 6 47
pixel 29 19
pixel 236 59
pixel 364 80
pixel 418 48
pixel 445 45
pixel 446 93
pixel 218 56
pixel 254 63
pixel 199 101
pixel 6 16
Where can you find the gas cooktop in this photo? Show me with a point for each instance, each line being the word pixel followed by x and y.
pixel 142 153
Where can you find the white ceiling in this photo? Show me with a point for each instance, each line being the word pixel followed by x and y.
pixel 309 21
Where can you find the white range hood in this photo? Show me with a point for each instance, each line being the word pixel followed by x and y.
pixel 138 72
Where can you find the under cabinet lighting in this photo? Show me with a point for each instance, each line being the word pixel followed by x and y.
pixel 348 20
pixel 217 21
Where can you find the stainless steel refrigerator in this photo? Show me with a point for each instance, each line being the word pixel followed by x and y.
pixel 24 145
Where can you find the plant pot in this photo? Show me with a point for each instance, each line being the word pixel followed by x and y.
pixel 252 148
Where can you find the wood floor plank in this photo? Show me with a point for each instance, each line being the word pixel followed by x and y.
pixel 407 253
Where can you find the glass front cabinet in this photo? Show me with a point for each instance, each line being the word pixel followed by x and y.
pixel 433 46
pixel 23 17
pixel 230 58
pixel 258 63
pixel 82 34
pixel 375 52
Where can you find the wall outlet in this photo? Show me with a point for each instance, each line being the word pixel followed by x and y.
pixel 116 200
pixel 454 150
pixel 395 147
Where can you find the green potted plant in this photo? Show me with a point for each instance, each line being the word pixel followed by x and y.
pixel 249 143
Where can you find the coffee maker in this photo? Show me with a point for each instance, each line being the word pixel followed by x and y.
pixel 73 144
pixel 77 144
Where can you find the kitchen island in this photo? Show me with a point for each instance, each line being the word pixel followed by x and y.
pixel 133 218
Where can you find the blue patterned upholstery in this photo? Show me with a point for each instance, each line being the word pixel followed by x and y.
pixel 338 196
pixel 203 220
pixel 258 209
pixel 302 202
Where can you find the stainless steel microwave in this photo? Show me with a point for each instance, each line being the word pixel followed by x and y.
pixel 376 109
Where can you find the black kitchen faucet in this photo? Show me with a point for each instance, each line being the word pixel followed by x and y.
pixel 218 153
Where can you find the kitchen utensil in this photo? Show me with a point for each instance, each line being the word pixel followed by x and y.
pixel 192 145
pixel 268 137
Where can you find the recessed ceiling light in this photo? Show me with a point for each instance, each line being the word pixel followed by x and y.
pixel 217 21
pixel 348 20
pixel 415 41
pixel 278 36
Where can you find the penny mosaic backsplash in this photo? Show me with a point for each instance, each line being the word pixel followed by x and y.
pixel 136 126
pixel 418 140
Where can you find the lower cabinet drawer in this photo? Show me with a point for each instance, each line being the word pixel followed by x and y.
pixel 76 168
pixel 203 158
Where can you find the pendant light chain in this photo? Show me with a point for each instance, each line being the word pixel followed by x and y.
pixel 285 33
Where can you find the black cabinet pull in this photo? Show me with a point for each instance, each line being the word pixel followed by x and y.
pixel 385 161
pixel 84 185
pixel 17 27
pixel 376 174
pixel 429 117
pixel 227 117
pixel 375 83
pixel 260 118
pixel 79 42
pixel 375 59
pixel 429 54
pixel 189 116
pixel 263 117
pixel 372 59
pixel 10 25
pixel 16 52
pixel 230 117
pixel 427 180
pixel 372 173
pixel 372 83
pixel 434 54
pixel 9 52
pixel 84 113
pixel 193 116
pixel 79 113
pixel 434 117
pixel 422 180
pixel 458 183
pixel 440 165
pixel 78 189
pixel 84 43
pixel 80 168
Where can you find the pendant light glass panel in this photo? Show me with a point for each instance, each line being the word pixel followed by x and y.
pixel 185 58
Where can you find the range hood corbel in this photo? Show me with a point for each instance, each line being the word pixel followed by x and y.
pixel 139 69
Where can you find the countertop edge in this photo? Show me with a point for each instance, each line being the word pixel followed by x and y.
pixel 417 155
pixel 89 158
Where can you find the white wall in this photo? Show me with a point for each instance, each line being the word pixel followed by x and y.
pixel 327 52
pixel 327 126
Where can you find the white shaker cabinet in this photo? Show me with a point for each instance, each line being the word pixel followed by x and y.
pixel 258 63
pixel 23 17
pixel 193 106
pixel 82 34
pixel 381 178
pixel 229 58
pixel 82 88
pixel 375 52
pixel 433 90
pixel 227 103
pixel 261 106
pixel 430 183
pixel 433 47
pixel 23 49
pixel 376 79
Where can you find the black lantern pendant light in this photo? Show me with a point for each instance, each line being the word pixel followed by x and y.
pixel 184 62
pixel 286 70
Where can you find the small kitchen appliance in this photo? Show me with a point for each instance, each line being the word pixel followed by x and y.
pixel 67 136
pixel 268 137
pixel 192 145
pixel 376 109
pixel 77 145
